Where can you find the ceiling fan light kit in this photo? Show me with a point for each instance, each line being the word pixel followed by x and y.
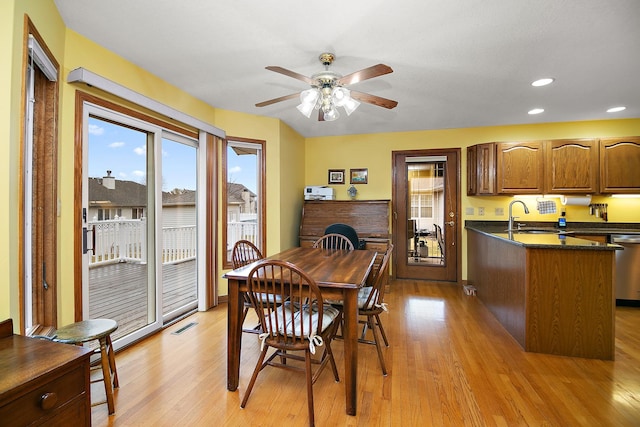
pixel 328 91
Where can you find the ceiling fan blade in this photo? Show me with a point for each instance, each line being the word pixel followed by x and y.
pixel 274 100
pixel 374 99
pixel 364 74
pixel 290 73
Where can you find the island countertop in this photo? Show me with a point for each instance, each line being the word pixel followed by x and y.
pixel 540 237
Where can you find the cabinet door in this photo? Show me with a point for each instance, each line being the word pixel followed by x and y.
pixel 481 169
pixel 571 166
pixel 486 172
pixel 620 165
pixel 472 164
pixel 520 167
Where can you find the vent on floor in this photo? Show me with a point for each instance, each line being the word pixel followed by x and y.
pixel 184 328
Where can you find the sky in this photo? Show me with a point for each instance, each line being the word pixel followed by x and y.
pixel 123 151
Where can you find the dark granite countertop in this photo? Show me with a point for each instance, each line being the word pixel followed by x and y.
pixel 544 235
pixel 598 228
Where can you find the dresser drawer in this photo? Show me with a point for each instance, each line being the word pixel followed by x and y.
pixel 62 394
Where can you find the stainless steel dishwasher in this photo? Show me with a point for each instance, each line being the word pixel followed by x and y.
pixel 627 269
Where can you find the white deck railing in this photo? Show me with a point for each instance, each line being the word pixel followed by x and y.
pixel 123 240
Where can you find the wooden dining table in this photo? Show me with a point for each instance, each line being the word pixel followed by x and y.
pixel 339 275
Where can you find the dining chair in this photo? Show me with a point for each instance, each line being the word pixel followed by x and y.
pixel 303 323
pixel 245 252
pixel 346 230
pixel 334 241
pixel 371 304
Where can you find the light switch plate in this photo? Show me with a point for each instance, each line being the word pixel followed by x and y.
pixel 469 211
pixel 499 211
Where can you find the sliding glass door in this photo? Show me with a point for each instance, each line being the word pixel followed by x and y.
pixel 139 223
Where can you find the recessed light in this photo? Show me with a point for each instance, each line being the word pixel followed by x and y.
pixel 536 111
pixel 616 109
pixel 542 82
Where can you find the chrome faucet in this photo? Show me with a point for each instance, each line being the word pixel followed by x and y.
pixel 511 217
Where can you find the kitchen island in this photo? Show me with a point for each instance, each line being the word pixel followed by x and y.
pixel 552 292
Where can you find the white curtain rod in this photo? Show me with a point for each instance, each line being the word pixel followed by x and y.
pixel 82 75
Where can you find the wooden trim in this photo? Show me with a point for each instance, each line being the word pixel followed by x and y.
pixel 211 280
pixel 263 199
pixel 44 192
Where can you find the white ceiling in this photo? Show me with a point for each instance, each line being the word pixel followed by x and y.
pixel 462 63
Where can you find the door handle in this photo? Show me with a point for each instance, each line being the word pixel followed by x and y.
pixel 85 247
pixel 450 223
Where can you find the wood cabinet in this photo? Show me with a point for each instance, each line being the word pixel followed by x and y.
pixel 560 166
pixel 43 383
pixel 520 167
pixel 481 169
pixel 551 300
pixel 571 166
pixel 620 165
pixel 370 219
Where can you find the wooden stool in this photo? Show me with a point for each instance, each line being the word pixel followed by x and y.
pixel 95 329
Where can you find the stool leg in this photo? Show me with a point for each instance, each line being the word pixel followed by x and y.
pixel 112 362
pixel 106 374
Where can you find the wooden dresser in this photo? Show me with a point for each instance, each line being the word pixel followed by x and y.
pixel 42 382
pixel 370 219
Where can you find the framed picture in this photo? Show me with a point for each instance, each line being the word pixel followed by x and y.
pixel 336 176
pixel 359 176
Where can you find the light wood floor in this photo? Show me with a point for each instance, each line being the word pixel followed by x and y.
pixel 450 364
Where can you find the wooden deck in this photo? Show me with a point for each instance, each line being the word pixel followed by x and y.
pixel 120 292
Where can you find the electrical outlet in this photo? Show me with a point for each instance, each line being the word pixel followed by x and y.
pixel 499 211
pixel 468 211
pixel 480 211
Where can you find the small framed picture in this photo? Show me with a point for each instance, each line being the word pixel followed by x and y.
pixel 359 176
pixel 336 176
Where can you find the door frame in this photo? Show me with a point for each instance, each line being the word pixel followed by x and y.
pixel 453 235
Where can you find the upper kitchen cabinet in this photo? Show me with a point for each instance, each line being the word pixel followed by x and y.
pixel 481 169
pixel 571 166
pixel 620 165
pixel 520 167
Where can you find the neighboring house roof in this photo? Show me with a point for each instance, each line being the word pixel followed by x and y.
pixel 178 197
pixel 125 194
pixel 133 194
pixel 234 193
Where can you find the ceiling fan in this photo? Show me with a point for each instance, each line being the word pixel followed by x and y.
pixel 328 90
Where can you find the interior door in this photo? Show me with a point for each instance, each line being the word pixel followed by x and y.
pixel 425 202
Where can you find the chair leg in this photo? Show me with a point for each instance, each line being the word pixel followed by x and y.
pixel 384 336
pixel 112 363
pixel 307 356
pixel 256 371
pixel 376 339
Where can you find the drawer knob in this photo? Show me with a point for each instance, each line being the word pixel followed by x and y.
pixel 48 401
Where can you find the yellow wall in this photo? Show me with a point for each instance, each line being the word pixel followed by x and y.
pixel 374 152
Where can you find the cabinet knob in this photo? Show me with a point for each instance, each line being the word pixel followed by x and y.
pixel 48 401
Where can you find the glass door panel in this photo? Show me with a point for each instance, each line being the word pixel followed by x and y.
pixel 179 227
pixel 119 263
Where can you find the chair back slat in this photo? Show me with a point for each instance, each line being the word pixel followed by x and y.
pixel 334 241
pixel 283 280
pixel 244 252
